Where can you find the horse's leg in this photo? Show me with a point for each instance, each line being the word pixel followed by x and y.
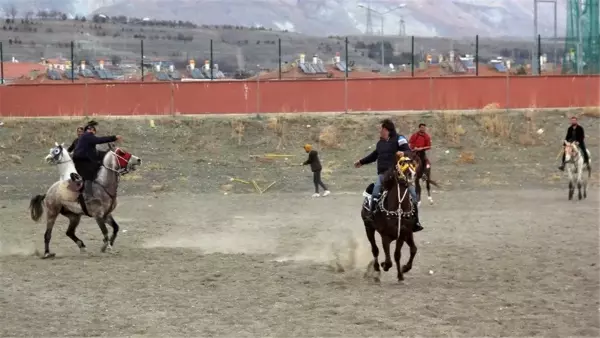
pixel 571 190
pixel 51 216
pixel 386 241
pixel 428 183
pixel 374 250
pixel 418 189
pixel 579 195
pixel 111 221
pixel 102 226
pixel 398 254
pixel 413 252
pixel 74 220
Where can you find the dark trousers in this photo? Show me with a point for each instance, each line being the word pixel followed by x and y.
pixel 87 169
pixel 584 152
pixel 317 181
pixel 423 157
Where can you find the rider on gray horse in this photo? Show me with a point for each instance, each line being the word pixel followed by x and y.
pixel 385 154
pixel 86 158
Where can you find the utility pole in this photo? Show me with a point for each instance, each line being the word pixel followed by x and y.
pixel 382 16
pixel 535 60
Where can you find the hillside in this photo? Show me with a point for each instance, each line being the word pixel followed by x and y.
pixel 233 47
pixel 331 17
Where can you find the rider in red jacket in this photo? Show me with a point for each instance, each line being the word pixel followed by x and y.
pixel 420 142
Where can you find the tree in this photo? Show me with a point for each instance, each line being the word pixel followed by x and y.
pixel 116 60
pixel 11 10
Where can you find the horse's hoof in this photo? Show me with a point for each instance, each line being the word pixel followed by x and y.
pixel 418 204
pixel 82 250
pixel 48 255
pixel 430 200
pixel 406 268
pixel 377 279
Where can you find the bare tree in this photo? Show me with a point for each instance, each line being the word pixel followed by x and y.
pixel 29 15
pixel 11 10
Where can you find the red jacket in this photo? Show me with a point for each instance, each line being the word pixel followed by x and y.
pixel 418 140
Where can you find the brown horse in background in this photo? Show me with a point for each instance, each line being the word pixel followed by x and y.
pixel 394 220
pixel 423 173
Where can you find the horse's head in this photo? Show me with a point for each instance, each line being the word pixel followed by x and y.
pixel 121 161
pixel 402 173
pixel 571 151
pixel 58 154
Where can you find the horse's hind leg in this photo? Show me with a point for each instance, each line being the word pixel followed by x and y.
pixel 374 250
pixel 51 216
pixel 104 230
pixel 579 196
pixel 74 220
pixel 413 252
pixel 111 221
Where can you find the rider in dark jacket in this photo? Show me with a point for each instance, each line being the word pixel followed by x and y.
pixel 85 155
pixel 385 155
pixel 74 144
pixel 575 133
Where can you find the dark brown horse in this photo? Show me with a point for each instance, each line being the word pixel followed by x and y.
pixel 394 220
pixel 423 173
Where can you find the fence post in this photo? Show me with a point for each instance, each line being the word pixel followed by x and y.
pixel 477 55
pixel 2 62
pixel 539 54
pixel 211 60
pixel 142 59
pixel 346 75
pixel 72 61
pixel 412 56
pixel 279 55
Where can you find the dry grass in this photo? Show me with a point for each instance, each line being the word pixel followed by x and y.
pixel 237 130
pixel 591 112
pixel 491 106
pixel 466 157
pixel 450 127
pixel 329 137
pixel 528 136
pixel 277 126
pixel 496 125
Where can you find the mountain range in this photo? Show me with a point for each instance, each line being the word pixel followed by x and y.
pixel 493 18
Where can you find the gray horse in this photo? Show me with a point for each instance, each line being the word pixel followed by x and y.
pixel 63 198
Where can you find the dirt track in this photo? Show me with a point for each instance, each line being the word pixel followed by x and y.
pixel 505 264
pixel 510 255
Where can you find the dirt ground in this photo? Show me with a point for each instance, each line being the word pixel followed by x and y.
pixel 503 254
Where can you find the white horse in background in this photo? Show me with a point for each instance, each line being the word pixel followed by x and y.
pixel 574 165
pixel 60 157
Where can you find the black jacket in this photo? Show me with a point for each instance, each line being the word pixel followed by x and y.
pixel 575 134
pixel 385 152
pixel 86 146
pixel 313 160
pixel 73 145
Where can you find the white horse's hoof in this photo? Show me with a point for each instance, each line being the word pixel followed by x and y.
pixel 82 250
pixel 49 255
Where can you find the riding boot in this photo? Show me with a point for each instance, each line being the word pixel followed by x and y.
pixel 372 207
pixel 417 226
pixel 562 163
pixel 89 191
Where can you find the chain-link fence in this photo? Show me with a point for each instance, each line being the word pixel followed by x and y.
pixel 124 51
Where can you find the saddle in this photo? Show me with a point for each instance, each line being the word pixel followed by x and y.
pixel 77 184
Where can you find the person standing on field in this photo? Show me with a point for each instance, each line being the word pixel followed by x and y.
pixel 315 166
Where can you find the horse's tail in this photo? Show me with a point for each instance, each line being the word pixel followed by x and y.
pixel 36 207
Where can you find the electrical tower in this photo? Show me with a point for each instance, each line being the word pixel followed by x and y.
pixel 402 25
pixel 582 45
pixel 369 29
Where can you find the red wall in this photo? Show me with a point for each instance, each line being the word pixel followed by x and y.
pixel 327 95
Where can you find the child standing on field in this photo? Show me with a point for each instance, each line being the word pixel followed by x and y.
pixel 315 166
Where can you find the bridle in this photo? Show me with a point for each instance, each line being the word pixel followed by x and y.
pixel 402 165
pixel 120 170
pixel 57 159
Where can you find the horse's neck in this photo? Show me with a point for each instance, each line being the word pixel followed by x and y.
pixel 108 178
pixel 66 167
